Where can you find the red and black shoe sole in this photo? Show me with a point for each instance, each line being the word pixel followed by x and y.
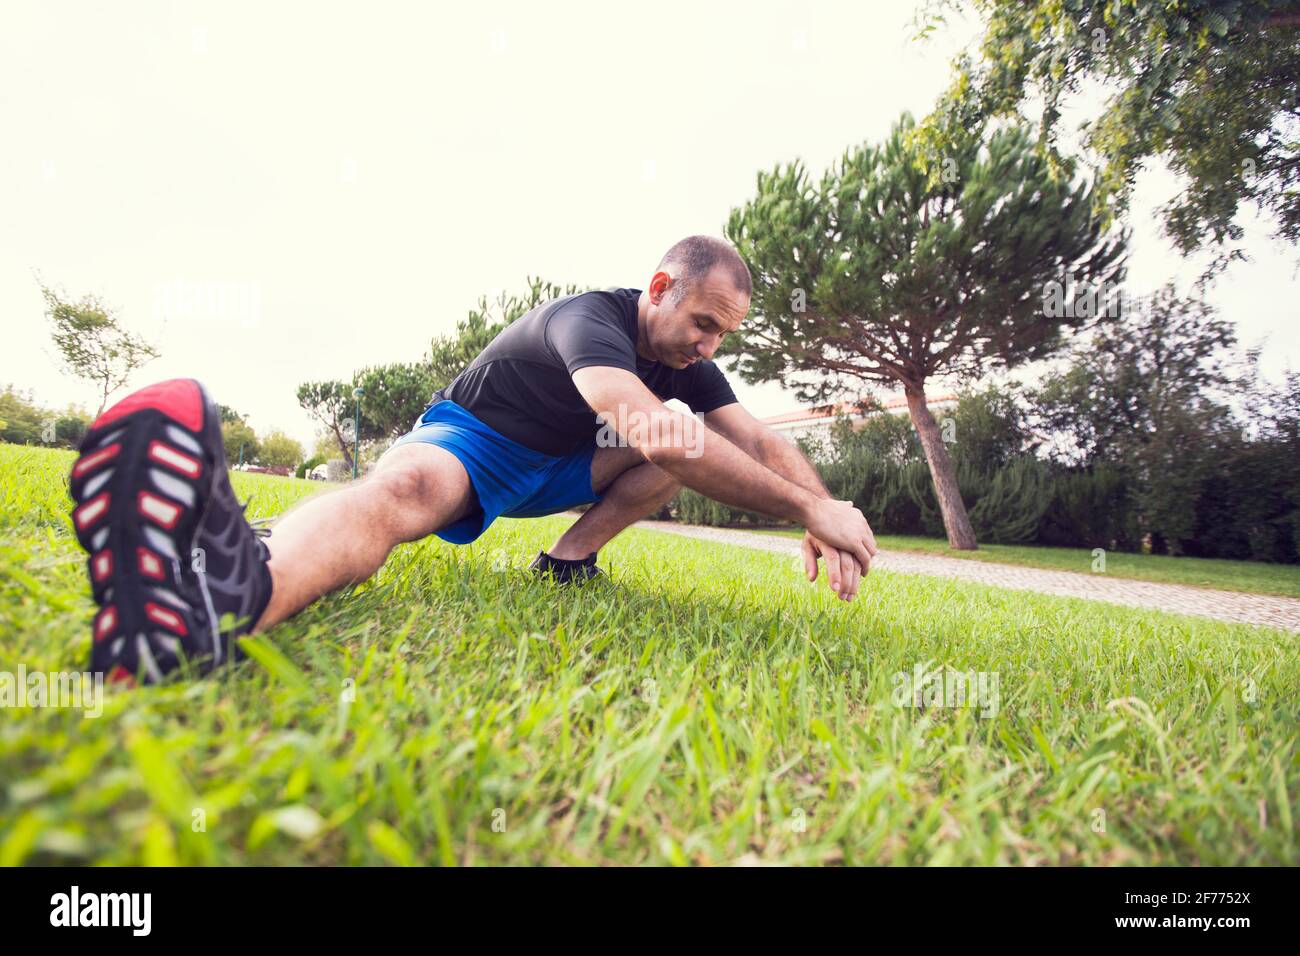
pixel 140 487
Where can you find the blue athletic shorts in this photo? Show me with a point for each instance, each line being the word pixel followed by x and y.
pixel 510 480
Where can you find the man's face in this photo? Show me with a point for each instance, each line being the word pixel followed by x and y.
pixel 682 334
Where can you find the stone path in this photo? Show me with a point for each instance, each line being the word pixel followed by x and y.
pixel 1266 609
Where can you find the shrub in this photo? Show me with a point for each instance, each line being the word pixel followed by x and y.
pixel 1091 508
pixel 1005 504
pixel 693 508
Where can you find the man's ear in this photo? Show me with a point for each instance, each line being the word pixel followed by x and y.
pixel 660 283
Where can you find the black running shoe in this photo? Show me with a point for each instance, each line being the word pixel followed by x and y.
pixel 571 571
pixel 171 554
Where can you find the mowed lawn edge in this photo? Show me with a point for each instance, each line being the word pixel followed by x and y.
pixel 1247 577
pixel 707 706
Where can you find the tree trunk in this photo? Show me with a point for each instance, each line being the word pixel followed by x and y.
pixel 343 447
pixel 961 536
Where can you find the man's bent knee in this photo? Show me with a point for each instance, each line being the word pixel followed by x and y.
pixel 643 482
pixel 665 484
pixel 610 464
pixel 420 488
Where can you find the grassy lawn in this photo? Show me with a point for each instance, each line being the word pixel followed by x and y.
pixel 1253 577
pixel 710 706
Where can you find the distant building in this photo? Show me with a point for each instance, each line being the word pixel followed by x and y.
pixel 805 422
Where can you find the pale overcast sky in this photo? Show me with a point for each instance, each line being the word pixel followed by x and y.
pixel 276 192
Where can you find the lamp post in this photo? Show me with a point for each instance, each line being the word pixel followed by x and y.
pixel 356 431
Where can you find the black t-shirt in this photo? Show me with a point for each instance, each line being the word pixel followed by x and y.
pixel 522 384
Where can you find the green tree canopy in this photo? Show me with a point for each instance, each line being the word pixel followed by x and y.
pixel 395 395
pixel 331 403
pixel 228 414
pixel 891 272
pixel 278 450
pixel 22 421
pixel 1147 395
pixel 93 344
pixel 240 441
pixel 1213 86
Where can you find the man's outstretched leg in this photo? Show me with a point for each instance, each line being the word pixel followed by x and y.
pixel 631 488
pixel 343 537
pixel 177 570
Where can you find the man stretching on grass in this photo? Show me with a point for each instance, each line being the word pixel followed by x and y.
pixel 177 571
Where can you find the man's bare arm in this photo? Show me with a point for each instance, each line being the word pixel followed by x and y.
pixel 787 460
pixel 843 572
pixel 685 448
pixel 708 463
pixel 766 446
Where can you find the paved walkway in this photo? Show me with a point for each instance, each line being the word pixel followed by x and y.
pixel 1266 609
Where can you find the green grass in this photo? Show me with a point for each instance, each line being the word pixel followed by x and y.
pixel 1253 577
pixel 709 707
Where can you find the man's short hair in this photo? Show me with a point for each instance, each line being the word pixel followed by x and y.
pixel 697 256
